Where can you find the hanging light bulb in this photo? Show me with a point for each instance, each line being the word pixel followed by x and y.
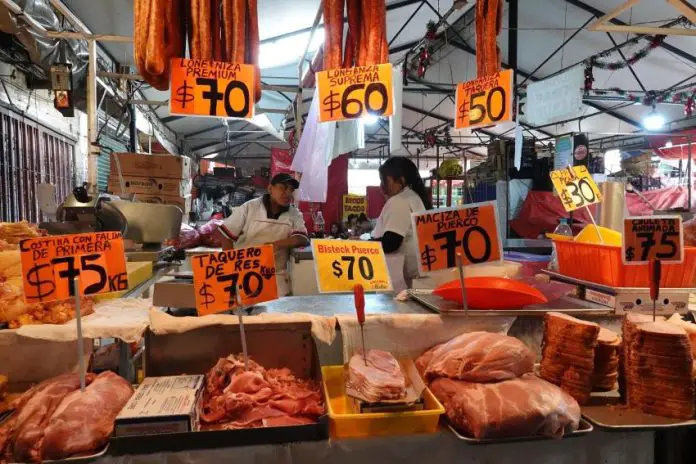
pixel 653 121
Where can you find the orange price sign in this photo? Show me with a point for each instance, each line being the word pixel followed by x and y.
pixel 354 92
pixel 484 101
pixel 471 230
pixel 51 264
pixel 211 88
pixel 218 276
pixel 653 237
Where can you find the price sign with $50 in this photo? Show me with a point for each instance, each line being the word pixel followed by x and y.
pixel 342 264
pixel 471 230
pixel 218 276
pixel 50 265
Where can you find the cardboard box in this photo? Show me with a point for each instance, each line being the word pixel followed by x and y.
pixel 161 405
pixel 170 292
pixel 182 202
pixel 142 165
pixel 151 186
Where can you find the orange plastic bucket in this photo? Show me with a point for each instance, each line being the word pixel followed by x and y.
pixel 602 264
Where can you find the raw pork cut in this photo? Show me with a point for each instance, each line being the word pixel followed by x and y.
pixel 375 377
pixel 56 420
pixel 525 406
pixel 477 357
pixel 85 419
pixel 234 398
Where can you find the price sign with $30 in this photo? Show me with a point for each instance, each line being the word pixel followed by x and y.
pixel 342 264
pixel 576 187
pixel 218 276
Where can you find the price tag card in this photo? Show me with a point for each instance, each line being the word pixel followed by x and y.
pixel 576 187
pixel 471 230
pixel 216 277
pixel 211 88
pixel 485 101
pixel 354 92
pixel 342 264
pixel 51 264
pixel 653 237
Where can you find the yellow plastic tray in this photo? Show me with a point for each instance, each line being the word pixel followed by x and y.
pixel 345 424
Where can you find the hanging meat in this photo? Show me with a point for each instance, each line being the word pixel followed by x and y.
pixel 489 19
pixel 366 39
pixel 221 30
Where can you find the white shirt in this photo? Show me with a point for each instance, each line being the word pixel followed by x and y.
pixel 396 217
pixel 250 225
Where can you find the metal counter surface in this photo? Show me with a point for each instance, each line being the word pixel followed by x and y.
pixel 440 447
pixel 331 304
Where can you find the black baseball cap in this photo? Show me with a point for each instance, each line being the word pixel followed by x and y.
pixel 287 179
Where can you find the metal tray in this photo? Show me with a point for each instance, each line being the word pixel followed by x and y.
pixel 452 308
pixel 583 429
pixel 608 413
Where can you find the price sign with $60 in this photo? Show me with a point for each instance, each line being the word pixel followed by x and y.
pixel 353 92
pixel 576 187
pixel 470 230
pixel 50 265
pixel 342 264
pixel 218 276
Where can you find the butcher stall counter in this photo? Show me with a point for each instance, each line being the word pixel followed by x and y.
pixel 441 447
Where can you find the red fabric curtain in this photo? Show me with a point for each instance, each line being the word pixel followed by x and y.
pixel 338 186
pixel 375 202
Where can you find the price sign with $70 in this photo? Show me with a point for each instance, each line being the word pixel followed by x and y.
pixel 353 92
pixel 342 264
pixel 471 230
pixel 211 88
pixel 218 276
pixel 576 187
pixel 51 264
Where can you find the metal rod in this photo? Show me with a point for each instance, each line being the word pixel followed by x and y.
pixel 460 268
pixel 240 310
pixel 623 57
pixel 92 131
pixel 78 323
pixel 406 23
pixel 689 167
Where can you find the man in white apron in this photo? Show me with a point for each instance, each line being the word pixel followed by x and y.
pixel 270 219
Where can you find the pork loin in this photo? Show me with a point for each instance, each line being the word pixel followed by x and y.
pixel 375 377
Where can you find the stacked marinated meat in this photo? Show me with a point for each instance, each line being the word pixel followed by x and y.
pixel 629 329
pixel 234 398
pixel 659 370
pixel 486 384
pixel 567 354
pixel 606 361
pixel 375 377
pixel 55 420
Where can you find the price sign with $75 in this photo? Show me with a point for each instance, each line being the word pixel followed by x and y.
pixel 342 264
pixel 211 88
pixel 653 237
pixel 576 187
pixel 218 276
pixel 471 230
pixel 353 92
pixel 51 264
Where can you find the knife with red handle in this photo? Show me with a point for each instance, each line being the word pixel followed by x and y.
pixel 359 296
pixel 655 271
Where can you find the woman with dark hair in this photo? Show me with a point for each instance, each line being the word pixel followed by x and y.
pixel 406 194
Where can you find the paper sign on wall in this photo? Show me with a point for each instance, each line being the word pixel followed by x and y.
pixel 354 92
pixel 342 264
pixel 51 264
pixel 354 204
pixel 576 187
pixel 217 276
pixel 211 88
pixel 471 230
pixel 484 101
pixel 653 237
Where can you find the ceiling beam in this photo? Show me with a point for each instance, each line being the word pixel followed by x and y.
pixel 599 13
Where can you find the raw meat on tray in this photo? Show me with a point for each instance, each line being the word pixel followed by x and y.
pixel 375 377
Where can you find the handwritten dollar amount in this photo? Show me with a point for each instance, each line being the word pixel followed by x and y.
pixel 45 279
pixel 365 268
pixel 353 104
pixel 209 90
pixel 451 245
pixel 666 248
pixel 252 284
